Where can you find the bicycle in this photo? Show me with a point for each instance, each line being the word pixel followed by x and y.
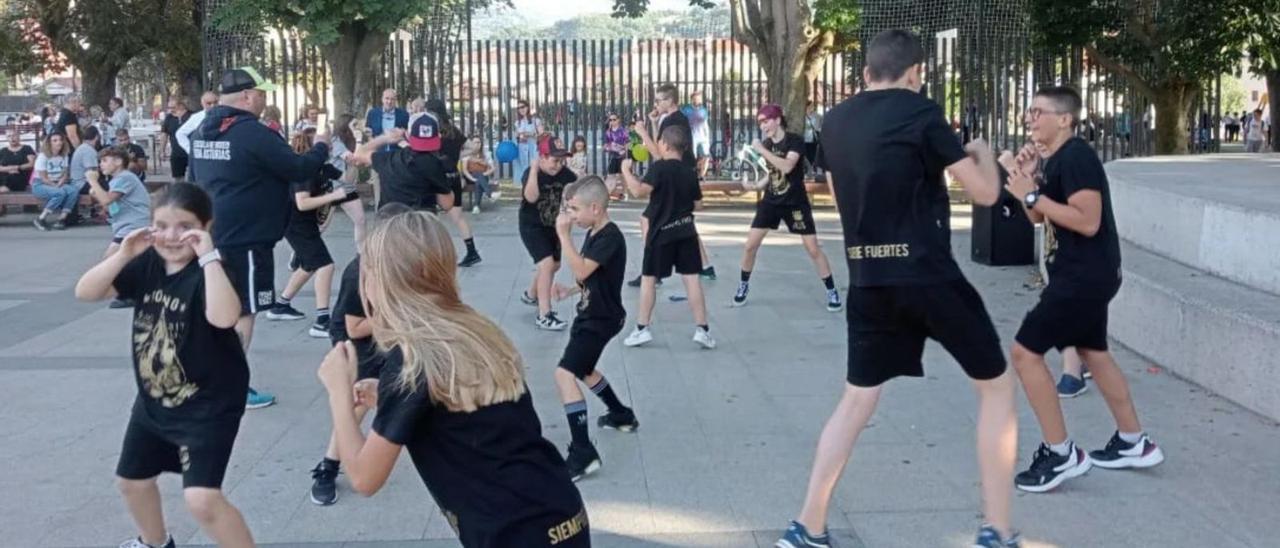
pixel 747 167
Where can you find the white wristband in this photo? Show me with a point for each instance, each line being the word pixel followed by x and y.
pixel 209 258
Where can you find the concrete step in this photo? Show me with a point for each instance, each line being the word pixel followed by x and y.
pixel 1220 334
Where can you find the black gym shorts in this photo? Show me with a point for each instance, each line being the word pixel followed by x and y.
pixel 888 326
pixel 201 454
pixel 587 341
pixel 799 219
pixel 253 275
pixel 615 166
pixel 685 256
pixel 1067 317
pixel 309 248
pixel 544 531
pixel 541 242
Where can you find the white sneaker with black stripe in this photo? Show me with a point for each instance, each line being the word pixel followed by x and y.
pixel 1120 454
pixel 1049 469
pixel 550 322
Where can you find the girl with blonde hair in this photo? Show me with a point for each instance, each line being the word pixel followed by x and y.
pixel 452 391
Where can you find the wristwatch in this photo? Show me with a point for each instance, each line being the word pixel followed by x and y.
pixel 1030 199
pixel 210 257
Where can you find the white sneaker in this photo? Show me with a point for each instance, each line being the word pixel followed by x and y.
pixel 550 322
pixel 638 337
pixel 703 337
pixel 475 210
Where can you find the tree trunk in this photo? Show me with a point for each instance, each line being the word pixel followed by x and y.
pixel 99 83
pixel 1273 97
pixel 1173 102
pixel 350 60
pixel 787 46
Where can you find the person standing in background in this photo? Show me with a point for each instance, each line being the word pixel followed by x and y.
pixel 207 101
pixel 528 127
pixel 700 127
pixel 119 116
pixel 178 115
pixel 812 133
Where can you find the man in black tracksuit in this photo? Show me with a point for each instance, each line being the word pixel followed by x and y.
pixel 246 167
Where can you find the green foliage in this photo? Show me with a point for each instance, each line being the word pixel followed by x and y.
pixel 1261 28
pixel 843 17
pixel 507 24
pixel 322 21
pixel 1158 40
pixel 1234 96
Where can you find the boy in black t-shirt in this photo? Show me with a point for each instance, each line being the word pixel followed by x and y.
pixel 539 206
pixel 785 200
pixel 598 270
pixel 413 176
pixel 1084 275
pixel 189 366
pixel 311 255
pixel 672 239
pixel 885 152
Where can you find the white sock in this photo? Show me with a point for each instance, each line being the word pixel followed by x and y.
pixel 1131 437
pixel 1062 449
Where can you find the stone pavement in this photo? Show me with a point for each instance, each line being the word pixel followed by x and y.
pixel 727 436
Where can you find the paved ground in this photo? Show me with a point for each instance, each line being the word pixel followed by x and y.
pixel 721 458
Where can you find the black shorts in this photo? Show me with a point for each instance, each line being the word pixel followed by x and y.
pixel 201 457
pixel 548 531
pixel 541 242
pixel 1065 318
pixel 615 166
pixel 685 256
pixel 456 183
pixel 178 167
pixel 587 342
pixel 308 248
pixel 253 275
pixel 799 219
pixel 888 327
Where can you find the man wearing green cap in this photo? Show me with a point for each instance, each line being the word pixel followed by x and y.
pixel 247 168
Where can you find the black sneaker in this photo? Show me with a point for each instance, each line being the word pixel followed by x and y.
pixel 622 421
pixel 988 537
pixel 709 273
pixel 1048 469
pixel 582 460
pixel 284 312
pixel 631 283
pixel 120 303
pixel 472 259
pixel 320 329
pixel 59 225
pixel 1122 454
pixel 40 224
pixel 324 490
pixel 740 297
pixel 137 543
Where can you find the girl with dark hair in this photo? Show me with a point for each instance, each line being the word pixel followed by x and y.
pixel 190 369
pixel 578 162
pixel 451 142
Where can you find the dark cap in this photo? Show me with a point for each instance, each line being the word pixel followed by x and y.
pixel 547 147
pixel 240 79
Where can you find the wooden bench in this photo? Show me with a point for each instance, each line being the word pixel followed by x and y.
pixel 23 199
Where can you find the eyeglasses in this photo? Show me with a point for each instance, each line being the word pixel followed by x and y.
pixel 1034 113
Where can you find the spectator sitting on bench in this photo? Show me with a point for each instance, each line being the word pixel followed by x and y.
pixel 137 154
pixel 52 183
pixel 16 162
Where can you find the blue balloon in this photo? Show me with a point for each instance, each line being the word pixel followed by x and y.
pixel 506 152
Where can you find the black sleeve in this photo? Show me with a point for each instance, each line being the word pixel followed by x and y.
pixel 300 186
pixel 697 189
pixel 350 302
pixel 131 280
pixel 653 175
pixel 602 249
pixel 1082 170
pixel 940 143
pixel 795 143
pixel 275 155
pixel 431 171
pixel 399 411
pixel 138 152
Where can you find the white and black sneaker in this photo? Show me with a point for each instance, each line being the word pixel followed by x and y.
pixel 320 329
pixel 283 311
pixel 833 301
pixel 1122 454
pixel 137 543
pixel 1048 469
pixel 550 322
pixel 528 299
pixel 740 296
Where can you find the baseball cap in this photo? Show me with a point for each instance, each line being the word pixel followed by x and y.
pixel 770 111
pixel 240 79
pixel 424 133
pixel 547 147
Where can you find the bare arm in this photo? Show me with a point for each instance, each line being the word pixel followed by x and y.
pixel 531 192
pixel 1081 214
pixel 222 304
pixel 306 202
pixel 784 164
pixel 364 153
pixel 97 283
pixel 100 193
pixel 635 186
pixel 358 327
pixel 368 461
pixel 581 267
pixel 978 174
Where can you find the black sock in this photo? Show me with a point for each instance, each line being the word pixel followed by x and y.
pixel 471 245
pixel 605 392
pixel 830 282
pixel 577 415
pixel 746 276
pixel 322 315
pixel 704 327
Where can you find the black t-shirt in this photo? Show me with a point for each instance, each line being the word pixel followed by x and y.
pixel 67 118
pixel 136 152
pixel 170 127
pixel 487 469
pixel 550 194
pixel 188 371
pixel 602 291
pixel 410 178
pixel 678 118
pixel 887 150
pixel 450 150
pixel 306 222
pixel 1078 260
pixel 670 210
pixel 16 158
pixel 786 190
pixel 350 303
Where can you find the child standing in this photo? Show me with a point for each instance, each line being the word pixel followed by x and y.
pixel 672 239
pixel 452 392
pixel 310 255
pixel 578 161
pixel 543 189
pixel 598 269
pixel 189 365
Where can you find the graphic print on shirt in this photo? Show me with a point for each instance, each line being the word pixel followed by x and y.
pixel 158 333
pixel 778 183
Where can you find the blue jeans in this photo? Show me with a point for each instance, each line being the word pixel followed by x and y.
pixel 480 190
pixel 528 153
pixel 56 197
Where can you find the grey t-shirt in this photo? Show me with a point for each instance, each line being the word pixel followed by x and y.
pixel 84 159
pixel 133 209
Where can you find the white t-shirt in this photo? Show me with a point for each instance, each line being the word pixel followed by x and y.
pixel 1255 129
pixel 55 166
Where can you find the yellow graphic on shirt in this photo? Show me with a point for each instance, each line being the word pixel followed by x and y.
pixel 882 251
pixel 568 528
pixel 156 340
pixel 778 183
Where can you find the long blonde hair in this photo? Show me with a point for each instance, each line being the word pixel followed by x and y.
pixel 410 281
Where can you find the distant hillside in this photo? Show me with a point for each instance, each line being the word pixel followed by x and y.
pixel 695 23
